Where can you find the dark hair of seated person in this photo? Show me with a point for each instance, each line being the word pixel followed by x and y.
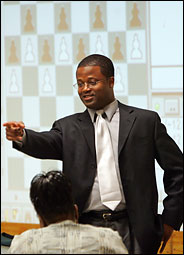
pixel 51 195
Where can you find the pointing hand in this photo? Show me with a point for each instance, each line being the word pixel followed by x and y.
pixel 14 130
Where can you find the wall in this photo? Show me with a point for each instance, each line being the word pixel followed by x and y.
pixel 42 42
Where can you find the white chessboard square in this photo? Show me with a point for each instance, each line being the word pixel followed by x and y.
pixel 47 80
pixel 30 108
pixel 116 9
pixel 29 46
pixel 10 152
pixel 11 16
pixel 99 43
pixel 50 165
pixel 80 16
pixel 64 106
pixel 120 79
pixel 45 18
pixel 13 81
pixel 32 167
pixel 45 128
pixel 138 101
pixel 63 49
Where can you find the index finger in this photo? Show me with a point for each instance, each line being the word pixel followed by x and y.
pixel 14 124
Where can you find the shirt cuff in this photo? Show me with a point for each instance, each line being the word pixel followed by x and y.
pixel 23 139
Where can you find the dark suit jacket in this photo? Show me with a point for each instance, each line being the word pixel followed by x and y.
pixel 142 139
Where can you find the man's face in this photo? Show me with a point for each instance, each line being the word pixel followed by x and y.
pixel 97 96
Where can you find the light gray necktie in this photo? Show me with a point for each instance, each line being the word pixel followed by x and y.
pixel 107 176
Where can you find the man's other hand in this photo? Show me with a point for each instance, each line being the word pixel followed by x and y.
pixel 168 230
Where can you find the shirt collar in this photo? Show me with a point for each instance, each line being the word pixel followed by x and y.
pixel 109 109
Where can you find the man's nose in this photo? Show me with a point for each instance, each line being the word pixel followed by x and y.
pixel 86 86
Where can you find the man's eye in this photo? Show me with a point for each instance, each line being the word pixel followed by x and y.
pixel 92 83
pixel 80 84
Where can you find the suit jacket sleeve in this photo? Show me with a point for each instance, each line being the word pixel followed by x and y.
pixel 43 145
pixel 170 158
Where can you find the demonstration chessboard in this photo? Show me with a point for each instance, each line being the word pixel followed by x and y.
pixel 43 42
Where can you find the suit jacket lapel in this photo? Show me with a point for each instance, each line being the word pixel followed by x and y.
pixel 87 127
pixel 127 119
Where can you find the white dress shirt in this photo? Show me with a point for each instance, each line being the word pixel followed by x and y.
pixel 94 201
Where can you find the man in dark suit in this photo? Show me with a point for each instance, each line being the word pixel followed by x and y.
pixel 138 138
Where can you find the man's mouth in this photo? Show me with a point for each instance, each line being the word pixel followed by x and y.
pixel 87 97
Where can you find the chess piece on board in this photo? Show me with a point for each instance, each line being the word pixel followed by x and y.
pixel 119 85
pixel 63 55
pixel 27 217
pixel 81 53
pixel 98 23
pixel 28 26
pixel 135 21
pixel 136 53
pixel 14 214
pixel 99 46
pixel 13 83
pixel 117 55
pixel 47 86
pixel 46 55
pixel 29 56
pixel 12 58
pixel 62 25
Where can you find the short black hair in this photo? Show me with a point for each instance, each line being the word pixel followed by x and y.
pixel 51 195
pixel 106 65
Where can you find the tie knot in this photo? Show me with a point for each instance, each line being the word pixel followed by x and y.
pixel 100 112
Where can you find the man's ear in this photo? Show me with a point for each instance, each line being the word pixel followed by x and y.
pixel 111 81
pixel 76 212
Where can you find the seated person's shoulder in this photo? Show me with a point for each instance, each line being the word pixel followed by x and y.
pixel 20 242
pixel 108 239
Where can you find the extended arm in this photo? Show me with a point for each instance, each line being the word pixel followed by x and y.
pixel 43 145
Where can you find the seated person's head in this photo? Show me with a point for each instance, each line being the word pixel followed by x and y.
pixel 51 195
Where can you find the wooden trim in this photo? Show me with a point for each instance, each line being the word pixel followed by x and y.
pixel 16 228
